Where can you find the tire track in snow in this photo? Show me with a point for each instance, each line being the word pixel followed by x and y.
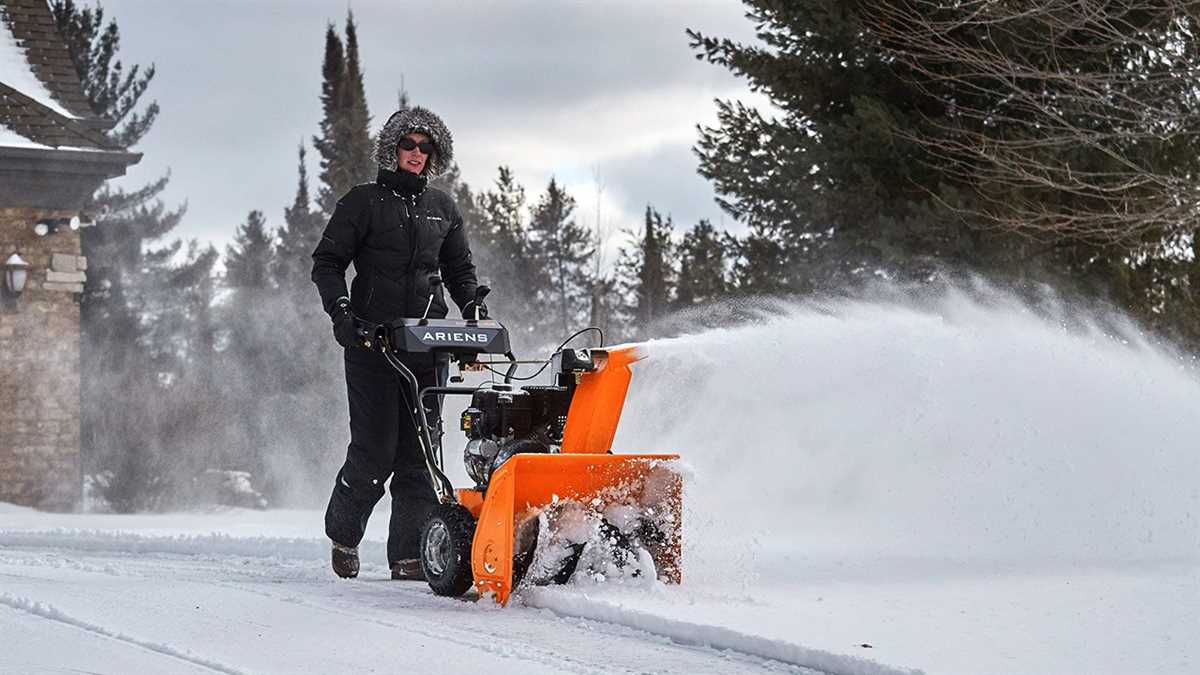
pixel 522 649
pixel 215 548
pixel 101 541
pixel 441 632
pixel 436 631
pixel 54 614
pixel 702 635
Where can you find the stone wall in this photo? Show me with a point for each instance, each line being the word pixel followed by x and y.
pixel 39 365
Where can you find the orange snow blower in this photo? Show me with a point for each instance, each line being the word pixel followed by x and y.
pixel 550 499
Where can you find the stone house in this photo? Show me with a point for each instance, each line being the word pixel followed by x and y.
pixel 53 155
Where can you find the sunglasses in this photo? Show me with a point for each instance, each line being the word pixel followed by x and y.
pixel 409 145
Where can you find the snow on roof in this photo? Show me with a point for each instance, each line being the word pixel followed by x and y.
pixel 16 72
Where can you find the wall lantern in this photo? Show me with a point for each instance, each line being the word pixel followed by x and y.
pixel 47 226
pixel 16 271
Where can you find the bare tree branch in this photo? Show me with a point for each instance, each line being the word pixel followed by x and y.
pixel 1066 118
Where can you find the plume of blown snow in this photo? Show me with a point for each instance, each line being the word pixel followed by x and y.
pixel 965 424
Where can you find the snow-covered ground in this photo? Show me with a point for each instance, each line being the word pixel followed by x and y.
pixel 250 592
pixel 967 488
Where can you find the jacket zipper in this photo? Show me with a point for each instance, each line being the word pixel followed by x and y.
pixel 370 291
pixel 412 255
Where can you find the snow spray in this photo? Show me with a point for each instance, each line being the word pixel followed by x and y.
pixel 968 425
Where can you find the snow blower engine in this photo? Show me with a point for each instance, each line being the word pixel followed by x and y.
pixel 550 500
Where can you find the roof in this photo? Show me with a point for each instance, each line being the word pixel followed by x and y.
pixel 41 98
pixel 53 152
pixel 32 25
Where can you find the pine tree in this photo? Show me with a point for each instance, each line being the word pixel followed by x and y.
pixel 702 261
pixel 329 144
pixel 129 354
pixel 468 204
pixel 250 259
pixel 256 314
pixel 298 238
pixel 449 180
pixel 763 260
pixel 159 390
pixel 344 142
pixel 112 93
pixel 827 178
pixel 562 249
pixel 601 311
pixel 654 293
pixel 361 154
pixel 503 225
pixel 500 245
pixel 915 139
pixel 643 277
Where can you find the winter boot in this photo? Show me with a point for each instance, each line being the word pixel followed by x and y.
pixel 345 561
pixel 408 570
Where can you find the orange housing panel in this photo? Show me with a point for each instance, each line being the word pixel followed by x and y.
pixel 597 403
pixel 526 483
pixel 583 470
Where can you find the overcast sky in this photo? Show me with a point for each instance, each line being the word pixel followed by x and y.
pixel 550 87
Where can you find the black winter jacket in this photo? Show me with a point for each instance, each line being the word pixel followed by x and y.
pixel 395 243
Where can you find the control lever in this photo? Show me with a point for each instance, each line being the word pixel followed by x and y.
pixel 366 336
pixel 466 364
pixel 481 292
pixel 434 282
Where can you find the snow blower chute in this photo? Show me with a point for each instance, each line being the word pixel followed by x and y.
pixel 550 498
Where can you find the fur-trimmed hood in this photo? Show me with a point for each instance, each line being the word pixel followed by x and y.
pixel 406 121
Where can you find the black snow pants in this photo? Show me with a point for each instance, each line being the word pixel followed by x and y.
pixel 383 442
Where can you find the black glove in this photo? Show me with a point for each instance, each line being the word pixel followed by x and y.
pixel 345 328
pixel 468 312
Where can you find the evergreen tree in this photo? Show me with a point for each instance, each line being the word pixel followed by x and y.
pixel 914 138
pixel 344 142
pixel 144 438
pixel 330 143
pixel 298 238
pixel 702 260
pixel 828 180
pixel 562 249
pixel 449 180
pixel 112 93
pixel 175 304
pixel 763 260
pixel 603 308
pixel 468 205
pixel 643 277
pixel 255 363
pixel 361 155
pixel 129 354
pixel 250 259
pixel 654 276
pixel 500 245
pixel 503 226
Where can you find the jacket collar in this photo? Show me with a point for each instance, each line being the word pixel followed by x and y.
pixel 405 184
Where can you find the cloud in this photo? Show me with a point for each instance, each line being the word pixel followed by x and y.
pixel 587 131
pixel 515 55
pixel 548 88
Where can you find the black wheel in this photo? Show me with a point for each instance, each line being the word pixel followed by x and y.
pixel 446 549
